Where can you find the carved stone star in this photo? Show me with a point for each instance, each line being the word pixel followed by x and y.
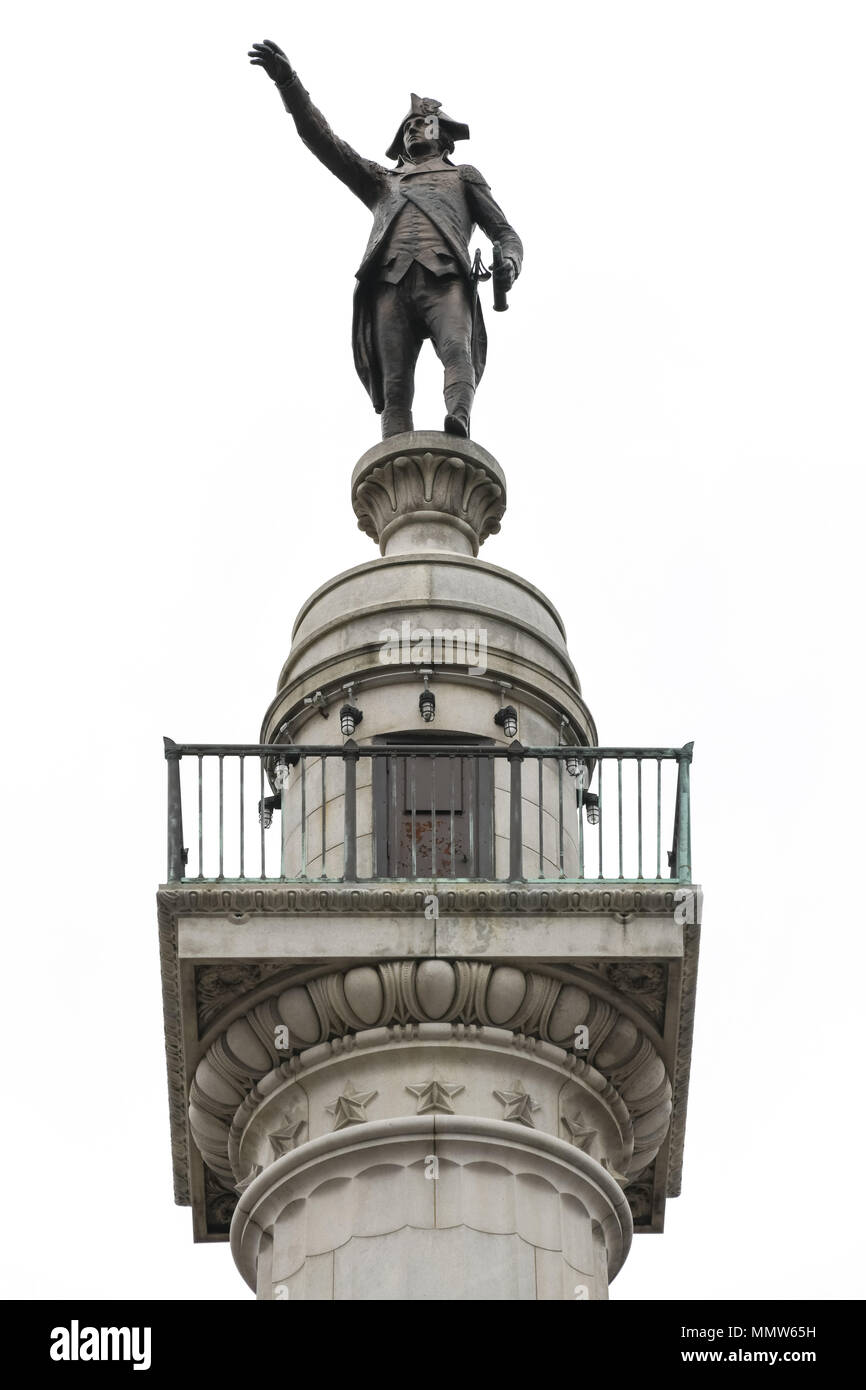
pixel 581 1135
pixel 519 1106
pixel 249 1179
pixel 349 1108
pixel 284 1139
pixel 617 1177
pixel 435 1095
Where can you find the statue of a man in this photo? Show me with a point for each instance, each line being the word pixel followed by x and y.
pixel 415 280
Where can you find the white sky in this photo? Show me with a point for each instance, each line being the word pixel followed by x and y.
pixel 676 398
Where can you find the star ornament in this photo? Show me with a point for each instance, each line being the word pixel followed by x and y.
pixel 581 1135
pixel 350 1107
pixel 519 1106
pixel 284 1139
pixel 435 1095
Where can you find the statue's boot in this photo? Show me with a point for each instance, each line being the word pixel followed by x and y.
pixel 458 402
pixel 396 419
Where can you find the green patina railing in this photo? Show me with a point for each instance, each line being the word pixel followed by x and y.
pixel 428 812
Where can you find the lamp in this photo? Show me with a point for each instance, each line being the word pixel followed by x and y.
pixel 592 808
pixel 350 715
pixel 506 718
pixel 506 715
pixel 427 700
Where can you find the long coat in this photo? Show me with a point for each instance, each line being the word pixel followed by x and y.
pixel 454 196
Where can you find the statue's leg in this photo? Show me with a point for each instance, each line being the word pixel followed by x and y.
pixel 449 322
pixel 397 336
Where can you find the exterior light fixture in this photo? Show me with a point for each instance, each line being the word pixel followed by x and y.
pixel 427 700
pixel 280 781
pixel 350 715
pixel 506 718
pixel 592 808
pixel 579 771
pixel 506 715
pixel 350 718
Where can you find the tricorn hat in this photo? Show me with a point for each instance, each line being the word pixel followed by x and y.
pixel 426 106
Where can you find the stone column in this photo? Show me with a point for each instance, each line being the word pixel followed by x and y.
pixel 420 1145
pixel 432 1207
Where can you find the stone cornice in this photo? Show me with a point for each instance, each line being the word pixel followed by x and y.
pixel 683 1066
pixel 467 998
pixel 242 901
pixel 248 900
pixel 169 965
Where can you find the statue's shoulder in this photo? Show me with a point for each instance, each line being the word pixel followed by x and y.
pixel 470 174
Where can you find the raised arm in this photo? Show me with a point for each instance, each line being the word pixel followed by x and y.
pixel 363 176
pixel 490 217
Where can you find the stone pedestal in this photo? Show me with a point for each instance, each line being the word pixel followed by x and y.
pixel 426 491
pixel 393 1087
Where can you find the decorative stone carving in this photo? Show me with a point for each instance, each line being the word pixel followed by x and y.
pixel 351 1107
pixel 528 1004
pixel 239 904
pixel 218 985
pixel 645 980
pixel 640 1199
pixel 220 1203
pixel 435 1095
pixel 518 1105
pixel 453 499
pixel 581 1135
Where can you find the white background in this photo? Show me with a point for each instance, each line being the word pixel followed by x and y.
pixel 676 396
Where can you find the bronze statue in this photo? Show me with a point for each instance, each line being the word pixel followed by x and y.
pixel 415 280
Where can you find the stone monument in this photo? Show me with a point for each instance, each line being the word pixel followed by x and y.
pixel 429 950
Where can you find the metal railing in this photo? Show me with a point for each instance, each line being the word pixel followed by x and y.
pixel 422 811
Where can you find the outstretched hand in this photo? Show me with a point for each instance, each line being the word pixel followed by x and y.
pixel 271 57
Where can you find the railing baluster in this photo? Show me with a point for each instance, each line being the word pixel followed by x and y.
pixel 350 830
pixel 492 790
pixel 221 814
pixel 580 790
pixel 324 804
pixel 683 863
pixel 600 823
pixel 284 823
pixel 640 817
pixel 451 765
pixel 433 815
pixel 515 818
pixel 262 815
pixel 473 781
pixel 540 762
pixel 393 840
pixel 559 764
pixel 242 770
pixel 413 799
pixel 175 865
pixel 200 831
pixel 658 817
pixel 303 816
pixel 619 808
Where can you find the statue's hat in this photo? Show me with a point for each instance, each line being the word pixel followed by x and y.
pixel 426 106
